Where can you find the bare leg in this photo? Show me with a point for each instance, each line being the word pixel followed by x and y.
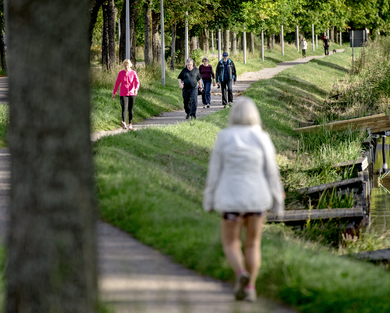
pixel 231 242
pixel 254 228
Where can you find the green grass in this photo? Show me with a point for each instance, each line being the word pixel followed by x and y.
pixel 4 122
pixel 150 183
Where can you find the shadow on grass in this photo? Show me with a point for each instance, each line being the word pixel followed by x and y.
pixel 331 65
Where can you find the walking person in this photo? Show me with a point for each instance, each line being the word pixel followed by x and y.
pixel 304 47
pixel 207 73
pixel 243 182
pixel 326 44
pixel 189 81
pixel 129 82
pixel 226 76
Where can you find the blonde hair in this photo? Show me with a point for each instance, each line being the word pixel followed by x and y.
pixel 127 61
pixel 244 112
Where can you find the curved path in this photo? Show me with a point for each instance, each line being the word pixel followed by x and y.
pixel 136 278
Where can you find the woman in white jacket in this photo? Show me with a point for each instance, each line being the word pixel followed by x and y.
pixel 243 182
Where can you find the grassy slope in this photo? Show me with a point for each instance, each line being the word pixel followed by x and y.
pixel 150 184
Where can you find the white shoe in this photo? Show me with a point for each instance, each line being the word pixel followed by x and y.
pixel 251 295
pixel 123 125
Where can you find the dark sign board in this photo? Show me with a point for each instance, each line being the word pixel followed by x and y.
pixel 359 37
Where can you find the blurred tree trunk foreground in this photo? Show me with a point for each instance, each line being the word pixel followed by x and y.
pixel 51 237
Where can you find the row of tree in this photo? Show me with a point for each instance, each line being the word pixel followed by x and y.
pixel 205 16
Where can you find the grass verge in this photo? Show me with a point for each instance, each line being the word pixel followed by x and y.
pixel 150 184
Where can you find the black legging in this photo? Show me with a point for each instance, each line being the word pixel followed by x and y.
pixel 127 102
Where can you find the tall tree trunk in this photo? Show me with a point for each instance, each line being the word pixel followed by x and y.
pixel 148 33
pixel 173 46
pixel 133 22
pixel 51 247
pixel 108 38
pixel 193 44
pixel 234 42
pixel 156 43
pixel 226 40
pixel 251 42
pixel 93 10
pixel 3 58
pixel 268 41
pixel 204 40
pixel 180 42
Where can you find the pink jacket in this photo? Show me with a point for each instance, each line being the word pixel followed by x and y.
pixel 129 83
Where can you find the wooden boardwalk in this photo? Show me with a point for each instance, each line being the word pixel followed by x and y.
pixel 375 123
pixel 303 215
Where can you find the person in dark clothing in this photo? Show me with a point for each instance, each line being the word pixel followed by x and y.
pixel 226 76
pixel 206 70
pixel 326 44
pixel 189 80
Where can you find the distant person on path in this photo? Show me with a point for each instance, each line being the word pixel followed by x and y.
pixel 243 182
pixel 207 72
pixel 226 75
pixel 304 47
pixel 326 44
pixel 129 82
pixel 189 81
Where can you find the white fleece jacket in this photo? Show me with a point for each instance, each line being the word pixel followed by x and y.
pixel 243 175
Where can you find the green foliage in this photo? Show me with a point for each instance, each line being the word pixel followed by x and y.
pixel 336 200
pixel 366 90
pixel 197 55
pixel 4 125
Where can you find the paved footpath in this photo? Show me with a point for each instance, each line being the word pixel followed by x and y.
pixel 134 278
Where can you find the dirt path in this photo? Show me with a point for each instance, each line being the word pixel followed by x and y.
pixel 136 278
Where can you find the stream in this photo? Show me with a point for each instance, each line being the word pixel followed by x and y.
pixel 380 194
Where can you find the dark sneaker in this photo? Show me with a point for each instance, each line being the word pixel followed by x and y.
pixel 240 285
pixel 225 106
pixel 193 117
pixel 187 117
pixel 208 106
pixel 204 106
pixel 230 105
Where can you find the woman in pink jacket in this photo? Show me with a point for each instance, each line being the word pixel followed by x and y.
pixel 129 82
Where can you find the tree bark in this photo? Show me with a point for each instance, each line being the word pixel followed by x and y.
pixel 148 52
pixel 133 22
pixel 156 43
pixel 234 42
pixel 204 40
pixel 226 40
pixel 180 42
pixel 3 58
pixel 251 43
pixel 108 38
pixel 193 44
pixel 173 46
pixel 93 10
pixel 51 249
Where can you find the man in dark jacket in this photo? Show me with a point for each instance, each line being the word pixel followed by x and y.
pixel 225 76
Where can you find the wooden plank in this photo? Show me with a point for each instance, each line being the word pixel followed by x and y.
pixel 340 184
pixel 360 164
pixel 354 123
pixel 303 215
pixel 377 255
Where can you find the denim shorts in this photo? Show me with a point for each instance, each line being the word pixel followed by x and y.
pixel 233 216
